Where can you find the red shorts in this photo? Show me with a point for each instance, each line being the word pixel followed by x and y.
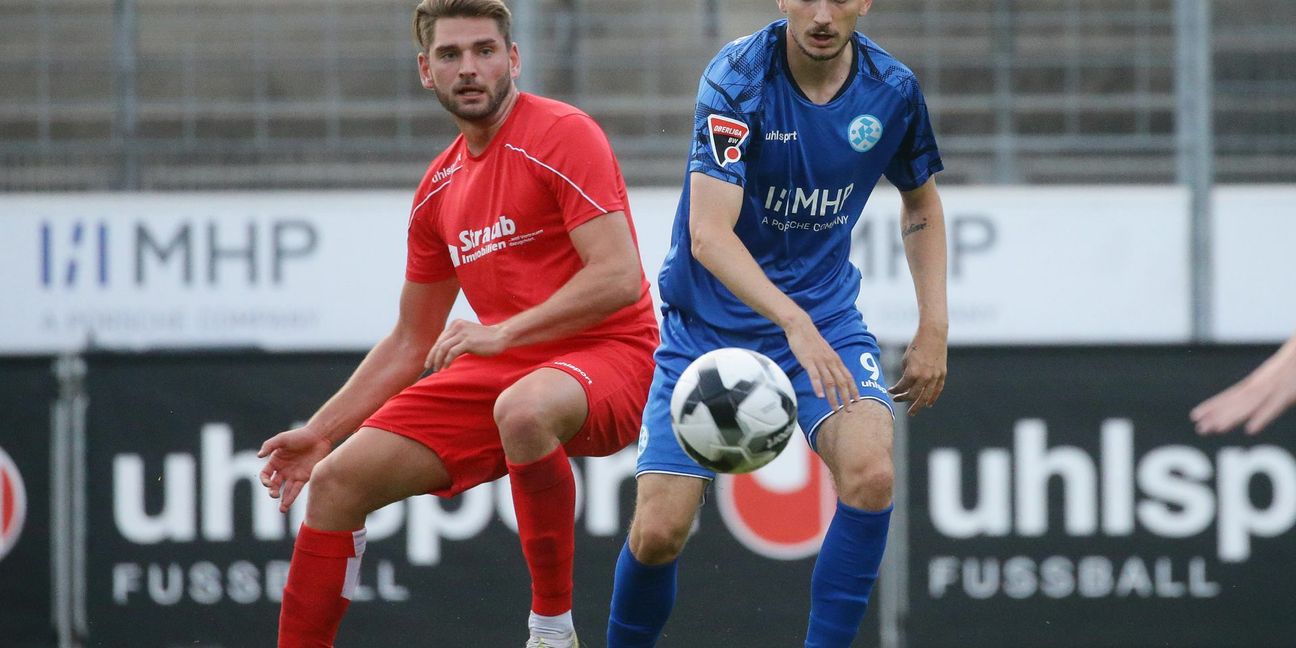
pixel 452 411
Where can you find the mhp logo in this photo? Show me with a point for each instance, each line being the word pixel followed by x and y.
pixel 186 252
pixel 80 256
pixel 13 504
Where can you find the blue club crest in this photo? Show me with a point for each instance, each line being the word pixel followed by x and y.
pixel 864 132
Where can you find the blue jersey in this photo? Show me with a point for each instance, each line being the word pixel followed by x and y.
pixel 806 171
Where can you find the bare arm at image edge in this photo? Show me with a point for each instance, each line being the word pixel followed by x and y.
pixel 1255 401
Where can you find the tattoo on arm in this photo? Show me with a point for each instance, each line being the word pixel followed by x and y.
pixel 913 229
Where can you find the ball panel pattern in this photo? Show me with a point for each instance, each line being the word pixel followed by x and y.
pixel 733 410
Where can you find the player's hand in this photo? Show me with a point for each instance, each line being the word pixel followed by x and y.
pixel 293 455
pixel 828 375
pixel 923 375
pixel 462 336
pixel 1253 403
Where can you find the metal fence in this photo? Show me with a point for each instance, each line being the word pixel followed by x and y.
pixel 225 94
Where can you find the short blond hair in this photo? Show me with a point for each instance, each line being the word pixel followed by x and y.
pixel 429 11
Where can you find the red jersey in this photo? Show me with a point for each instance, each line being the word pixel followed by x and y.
pixel 499 221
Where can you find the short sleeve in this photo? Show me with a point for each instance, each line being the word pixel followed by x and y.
pixel 917 158
pixel 578 166
pixel 427 257
pixel 728 103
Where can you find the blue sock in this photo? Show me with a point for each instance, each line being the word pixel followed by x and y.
pixel 642 598
pixel 844 574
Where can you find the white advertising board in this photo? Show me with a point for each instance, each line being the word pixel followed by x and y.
pixel 1253 238
pixel 1039 265
pixel 310 270
pixel 274 270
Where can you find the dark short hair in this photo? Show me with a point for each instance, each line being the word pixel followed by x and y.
pixel 429 11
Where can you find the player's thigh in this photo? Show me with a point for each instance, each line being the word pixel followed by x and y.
pixel 546 399
pixel 665 507
pixel 858 436
pixel 449 413
pixel 856 445
pixel 614 374
pixel 374 468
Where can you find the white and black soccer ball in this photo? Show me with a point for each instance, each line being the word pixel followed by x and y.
pixel 733 410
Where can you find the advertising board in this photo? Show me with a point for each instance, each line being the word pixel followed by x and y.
pixel 184 545
pixel 1060 497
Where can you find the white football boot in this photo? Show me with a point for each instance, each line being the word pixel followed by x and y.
pixel 569 641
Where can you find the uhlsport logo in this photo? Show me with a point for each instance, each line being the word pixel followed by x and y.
pixel 864 132
pixel 1111 530
pixel 727 137
pixel 13 504
pixel 781 511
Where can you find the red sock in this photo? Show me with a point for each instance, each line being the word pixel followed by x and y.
pixel 544 498
pixel 321 579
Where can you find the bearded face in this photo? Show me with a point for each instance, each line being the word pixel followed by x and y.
pixel 470 67
pixel 472 100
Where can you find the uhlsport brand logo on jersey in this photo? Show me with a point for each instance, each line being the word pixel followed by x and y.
pixel 726 136
pixel 781 511
pixel 864 132
pixel 443 173
pixel 13 504
pixel 477 243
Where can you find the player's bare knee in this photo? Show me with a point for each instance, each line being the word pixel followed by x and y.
pixel 867 484
pixel 656 541
pixel 333 494
pixel 519 420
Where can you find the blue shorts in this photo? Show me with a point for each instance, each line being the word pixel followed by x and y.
pixel 683 339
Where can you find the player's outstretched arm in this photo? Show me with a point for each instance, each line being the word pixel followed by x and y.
pixel 922 228
pixel 393 364
pixel 714 206
pixel 1255 401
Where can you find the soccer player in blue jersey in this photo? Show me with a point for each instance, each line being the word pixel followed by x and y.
pixel 795 124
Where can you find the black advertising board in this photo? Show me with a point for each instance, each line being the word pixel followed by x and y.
pixel 184 547
pixel 1059 497
pixel 27 391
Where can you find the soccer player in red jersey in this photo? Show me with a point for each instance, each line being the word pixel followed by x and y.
pixel 526 212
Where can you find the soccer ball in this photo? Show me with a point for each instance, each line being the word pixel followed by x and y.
pixel 733 410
